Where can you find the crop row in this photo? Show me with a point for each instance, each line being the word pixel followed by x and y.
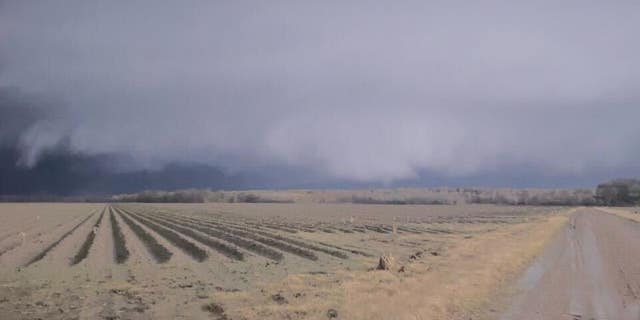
pixel 158 251
pixel 251 232
pixel 247 235
pixel 256 228
pixel 281 228
pixel 271 225
pixel 119 244
pixel 266 241
pixel 44 252
pixel 354 251
pixel 84 249
pixel 288 240
pixel 324 227
pixel 174 238
pixel 238 241
pixel 222 248
pixel 329 228
pixel 308 245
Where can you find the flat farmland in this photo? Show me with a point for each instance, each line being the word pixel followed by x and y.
pixel 264 261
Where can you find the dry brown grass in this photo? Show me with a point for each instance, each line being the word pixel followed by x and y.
pixel 460 285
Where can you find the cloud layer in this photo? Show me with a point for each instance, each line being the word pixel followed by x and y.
pixel 365 91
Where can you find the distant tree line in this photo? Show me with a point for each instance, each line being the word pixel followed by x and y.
pixel 180 196
pixel 253 198
pixel 560 197
pixel 407 201
pixel 620 192
pixel 193 196
pixel 53 198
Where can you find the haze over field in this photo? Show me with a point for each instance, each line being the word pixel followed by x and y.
pixel 291 94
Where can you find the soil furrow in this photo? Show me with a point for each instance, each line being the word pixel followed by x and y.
pixel 175 239
pixel 44 252
pixel 240 242
pixel 86 246
pixel 267 241
pixel 220 247
pixel 293 242
pixel 119 242
pixel 158 251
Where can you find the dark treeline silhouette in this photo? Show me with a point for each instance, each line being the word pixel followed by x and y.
pixel 180 196
pixel 620 192
pixel 194 196
pixel 552 197
pixel 408 201
pixel 435 196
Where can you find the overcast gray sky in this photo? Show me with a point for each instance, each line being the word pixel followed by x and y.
pixel 358 90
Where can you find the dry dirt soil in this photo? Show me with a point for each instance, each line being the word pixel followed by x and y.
pixel 297 261
pixel 589 271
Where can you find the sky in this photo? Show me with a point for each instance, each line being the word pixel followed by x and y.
pixel 330 92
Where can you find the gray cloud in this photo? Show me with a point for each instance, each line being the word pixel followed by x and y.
pixel 369 91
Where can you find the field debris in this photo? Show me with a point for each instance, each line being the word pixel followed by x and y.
pixel 416 255
pixel 279 298
pixel 386 262
pixel 332 313
pixel 213 308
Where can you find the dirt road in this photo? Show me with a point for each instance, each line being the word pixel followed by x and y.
pixel 590 271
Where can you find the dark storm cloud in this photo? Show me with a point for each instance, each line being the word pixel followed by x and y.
pixel 30 124
pixel 358 90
